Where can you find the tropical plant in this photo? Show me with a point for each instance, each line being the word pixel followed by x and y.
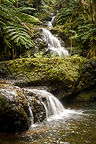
pixel 77 20
pixel 14 34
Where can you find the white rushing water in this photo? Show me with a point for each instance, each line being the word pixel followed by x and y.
pixel 52 104
pixel 50 23
pixel 31 115
pixel 54 108
pixel 54 44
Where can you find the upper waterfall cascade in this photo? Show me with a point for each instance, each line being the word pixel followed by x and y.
pixel 53 43
pixel 50 23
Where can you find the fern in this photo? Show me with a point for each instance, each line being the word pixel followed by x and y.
pixel 7 1
pixel 19 36
pixel 24 9
pixel 14 36
pixel 77 22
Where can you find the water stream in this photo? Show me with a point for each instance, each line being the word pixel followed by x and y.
pixel 75 127
pixel 61 126
pixel 54 44
pixel 50 23
pixel 54 109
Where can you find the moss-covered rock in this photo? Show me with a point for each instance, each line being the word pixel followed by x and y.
pixel 14 110
pixel 41 71
pixel 64 76
pixel 87 76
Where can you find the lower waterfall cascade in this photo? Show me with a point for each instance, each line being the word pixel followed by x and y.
pixel 52 104
pixel 53 107
pixel 31 116
pixel 54 44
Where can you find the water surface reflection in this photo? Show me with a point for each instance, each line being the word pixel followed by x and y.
pixel 78 127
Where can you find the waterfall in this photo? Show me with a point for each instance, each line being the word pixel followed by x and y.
pixel 51 103
pixel 52 41
pixel 52 21
pixel 53 107
pixel 49 25
pixel 31 114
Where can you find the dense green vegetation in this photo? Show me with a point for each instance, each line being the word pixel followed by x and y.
pixel 75 20
pixel 15 36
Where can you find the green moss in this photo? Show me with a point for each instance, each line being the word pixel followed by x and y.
pixel 23 113
pixel 73 73
pixel 29 19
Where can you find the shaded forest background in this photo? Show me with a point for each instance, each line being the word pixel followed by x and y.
pixel 75 20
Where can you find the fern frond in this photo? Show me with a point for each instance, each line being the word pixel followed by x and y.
pixel 9 30
pixel 14 37
pixel 2 23
pixel 24 9
pixel 7 42
pixel 19 35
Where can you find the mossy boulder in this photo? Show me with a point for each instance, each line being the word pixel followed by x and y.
pixel 14 110
pixel 87 75
pixel 42 71
pixel 63 76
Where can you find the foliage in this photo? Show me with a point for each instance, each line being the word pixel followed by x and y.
pixel 25 9
pixel 14 33
pixel 39 55
pixel 18 35
pixel 77 21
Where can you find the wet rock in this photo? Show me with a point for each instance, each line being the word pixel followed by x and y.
pixel 41 44
pixel 36 105
pixel 14 110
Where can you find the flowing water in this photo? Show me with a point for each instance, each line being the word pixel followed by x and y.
pixel 50 23
pixel 62 126
pixel 51 103
pixel 54 44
